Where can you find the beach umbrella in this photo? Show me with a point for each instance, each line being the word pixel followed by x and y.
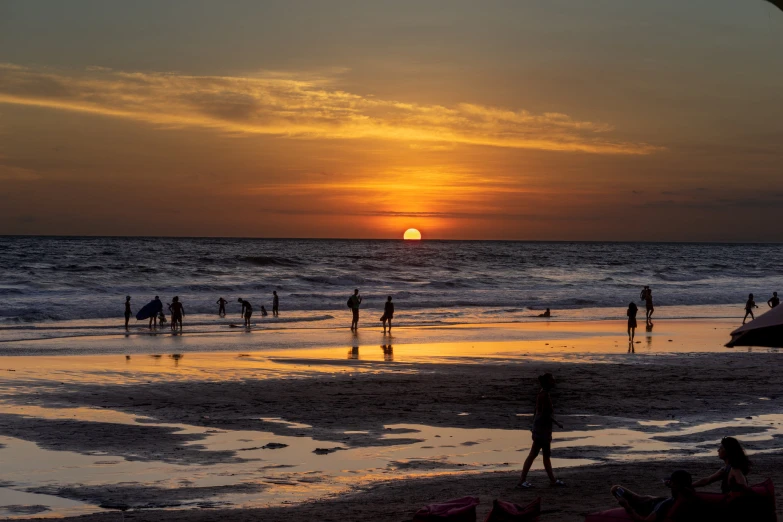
pixel 765 330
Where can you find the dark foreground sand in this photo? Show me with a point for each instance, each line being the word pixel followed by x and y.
pixel 621 390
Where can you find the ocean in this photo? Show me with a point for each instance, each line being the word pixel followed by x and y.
pixel 81 282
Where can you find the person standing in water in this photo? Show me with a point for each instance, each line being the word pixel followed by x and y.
pixel 354 302
pixel 631 313
pixel 388 314
pixel 646 296
pixel 774 300
pixel 221 307
pixel 156 310
pixel 177 313
pixel 542 433
pixel 749 306
pixel 275 304
pixel 247 311
pixel 127 311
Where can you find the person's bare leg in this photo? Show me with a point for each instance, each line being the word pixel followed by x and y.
pixel 531 457
pixel 390 320
pixel 548 465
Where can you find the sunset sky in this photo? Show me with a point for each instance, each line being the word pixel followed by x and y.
pixel 561 120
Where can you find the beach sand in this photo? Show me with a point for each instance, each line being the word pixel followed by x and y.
pixel 381 418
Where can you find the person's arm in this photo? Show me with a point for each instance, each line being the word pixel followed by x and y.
pixel 709 480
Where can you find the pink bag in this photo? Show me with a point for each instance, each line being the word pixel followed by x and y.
pixel 510 512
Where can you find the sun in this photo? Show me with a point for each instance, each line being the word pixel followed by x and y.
pixel 412 235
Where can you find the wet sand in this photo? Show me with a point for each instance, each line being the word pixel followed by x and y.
pixel 346 398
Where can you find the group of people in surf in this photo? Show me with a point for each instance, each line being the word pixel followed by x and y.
pixel 732 475
pixel 646 296
pixel 156 315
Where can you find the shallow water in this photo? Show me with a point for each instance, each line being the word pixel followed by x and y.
pixel 297 471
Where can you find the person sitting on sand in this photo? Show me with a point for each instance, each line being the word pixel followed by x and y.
pixel 547 313
pixel 388 314
pixel 221 307
pixel 733 475
pixel 749 306
pixel 774 300
pixel 127 311
pixel 542 433
pixel 631 313
pixel 275 304
pixel 177 313
pixel 646 508
pixel 247 311
pixel 264 313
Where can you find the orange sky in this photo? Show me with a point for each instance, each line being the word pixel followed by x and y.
pixel 619 121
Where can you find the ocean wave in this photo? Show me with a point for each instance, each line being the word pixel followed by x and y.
pixel 270 261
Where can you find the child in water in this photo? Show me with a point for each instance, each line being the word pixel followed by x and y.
pixel 161 318
pixel 264 313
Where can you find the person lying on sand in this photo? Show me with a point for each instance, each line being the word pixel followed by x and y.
pixel 542 433
pixel 647 508
pixel 732 475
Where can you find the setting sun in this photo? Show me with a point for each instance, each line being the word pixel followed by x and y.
pixel 412 234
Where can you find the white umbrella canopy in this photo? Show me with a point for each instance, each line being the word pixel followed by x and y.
pixel 765 330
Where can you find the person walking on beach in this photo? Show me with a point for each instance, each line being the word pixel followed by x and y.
pixel 275 304
pixel 749 306
pixel 247 311
pixel 388 314
pixel 221 307
pixel 631 313
pixel 177 313
pixel 774 300
pixel 646 296
pixel 127 311
pixel 733 475
pixel 542 433
pixel 354 302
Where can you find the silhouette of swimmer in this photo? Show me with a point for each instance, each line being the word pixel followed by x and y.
pixel 247 311
pixel 275 304
pixel 127 311
pixel 354 302
pixel 774 300
pixel 177 313
pixel 646 296
pixel 542 432
pixel 547 313
pixel 264 313
pixel 221 307
pixel 388 314
pixel 158 307
pixel 749 306
pixel 631 313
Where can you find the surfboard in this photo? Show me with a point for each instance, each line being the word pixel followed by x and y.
pixel 149 310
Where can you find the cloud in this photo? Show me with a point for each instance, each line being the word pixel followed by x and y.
pixel 307 106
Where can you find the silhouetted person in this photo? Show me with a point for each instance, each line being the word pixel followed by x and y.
pixel 646 296
pixel 542 433
pixel 127 311
pixel 177 313
pixel 162 318
pixel 547 313
pixel 264 313
pixel 275 304
pixel 247 311
pixel 354 302
pixel 388 314
pixel 646 508
pixel 749 306
pixel 631 313
pixel 774 300
pixel 733 475
pixel 221 307
pixel 156 310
